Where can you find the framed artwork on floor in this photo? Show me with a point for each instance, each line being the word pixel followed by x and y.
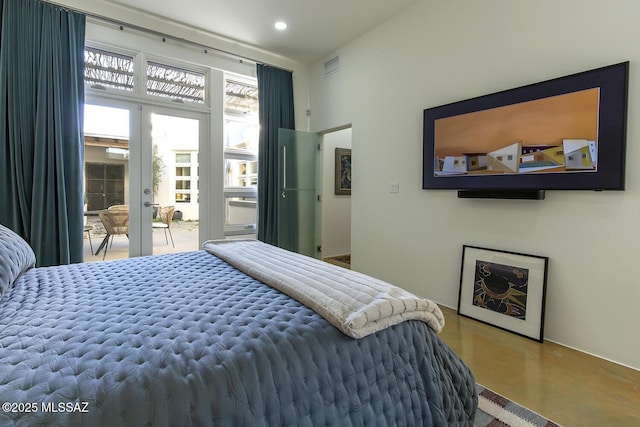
pixel 504 289
pixel 343 171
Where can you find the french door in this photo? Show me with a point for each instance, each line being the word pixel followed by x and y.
pixel 145 159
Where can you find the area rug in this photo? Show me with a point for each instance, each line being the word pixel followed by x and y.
pixel 495 410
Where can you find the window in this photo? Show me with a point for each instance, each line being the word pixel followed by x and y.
pixel 240 157
pixel 103 69
pixel 183 158
pixel 241 98
pixel 175 83
pixel 185 181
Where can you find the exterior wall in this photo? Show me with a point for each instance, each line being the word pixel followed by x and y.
pixel 177 136
pixel 440 52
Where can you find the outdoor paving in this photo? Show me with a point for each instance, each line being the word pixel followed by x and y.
pixel 185 237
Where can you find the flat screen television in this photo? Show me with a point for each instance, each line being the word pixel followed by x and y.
pixel 566 133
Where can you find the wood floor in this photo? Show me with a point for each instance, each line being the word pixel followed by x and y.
pixel 567 386
pixel 341 260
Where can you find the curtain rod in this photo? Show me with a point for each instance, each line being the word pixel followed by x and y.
pixel 164 36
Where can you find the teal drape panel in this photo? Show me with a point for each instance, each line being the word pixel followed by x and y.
pixel 275 103
pixel 41 127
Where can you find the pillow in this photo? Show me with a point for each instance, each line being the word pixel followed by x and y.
pixel 16 256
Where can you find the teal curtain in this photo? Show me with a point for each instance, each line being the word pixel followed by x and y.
pixel 275 103
pixel 41 122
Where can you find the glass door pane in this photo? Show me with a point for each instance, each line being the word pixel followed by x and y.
pixel 106 181
pixel 175 171
pixel 241 131
pixel 144 161
pixel 298 206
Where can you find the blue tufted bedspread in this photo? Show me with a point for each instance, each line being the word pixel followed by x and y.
pixel 186 339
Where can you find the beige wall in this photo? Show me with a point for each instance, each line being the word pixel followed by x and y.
pixel 438 52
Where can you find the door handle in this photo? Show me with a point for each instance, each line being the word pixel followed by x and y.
pixel 284 168
pixel 147 204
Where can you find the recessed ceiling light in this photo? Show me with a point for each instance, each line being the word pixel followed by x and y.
pixel 280 25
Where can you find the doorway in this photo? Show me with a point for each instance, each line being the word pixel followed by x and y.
pixel 142 161
pixel 336 208
pixel 314 217
pixel 104 185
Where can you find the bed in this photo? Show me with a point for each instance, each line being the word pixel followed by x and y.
pixel 188 339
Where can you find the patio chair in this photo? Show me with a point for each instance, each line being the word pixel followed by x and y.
pixel 166 216
pixel 115 222
pixel 88 229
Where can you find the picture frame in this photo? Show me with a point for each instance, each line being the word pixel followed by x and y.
pixel 504 289
pixel 343 171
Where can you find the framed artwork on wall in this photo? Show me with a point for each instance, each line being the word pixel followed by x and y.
pixel 343 171
pixel 504 289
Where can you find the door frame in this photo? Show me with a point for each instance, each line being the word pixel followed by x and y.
pixel 146 160
pixel 140 166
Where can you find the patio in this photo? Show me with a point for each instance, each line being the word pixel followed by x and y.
pixel 185 237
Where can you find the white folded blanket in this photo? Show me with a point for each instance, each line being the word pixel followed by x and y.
pixel 355 303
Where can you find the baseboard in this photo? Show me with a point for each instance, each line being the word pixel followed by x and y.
pixel 615 362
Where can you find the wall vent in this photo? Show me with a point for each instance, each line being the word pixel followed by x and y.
pixel 332 66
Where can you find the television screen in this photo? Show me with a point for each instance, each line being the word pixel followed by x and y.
pixel 565 133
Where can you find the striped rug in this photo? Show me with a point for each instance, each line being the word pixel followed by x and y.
pixel 495 410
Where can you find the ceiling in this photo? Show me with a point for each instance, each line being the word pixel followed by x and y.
pixel 315 27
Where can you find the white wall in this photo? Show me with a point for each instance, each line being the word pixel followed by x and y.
pixel 438 52
pixel 336 209
pixel 176 135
